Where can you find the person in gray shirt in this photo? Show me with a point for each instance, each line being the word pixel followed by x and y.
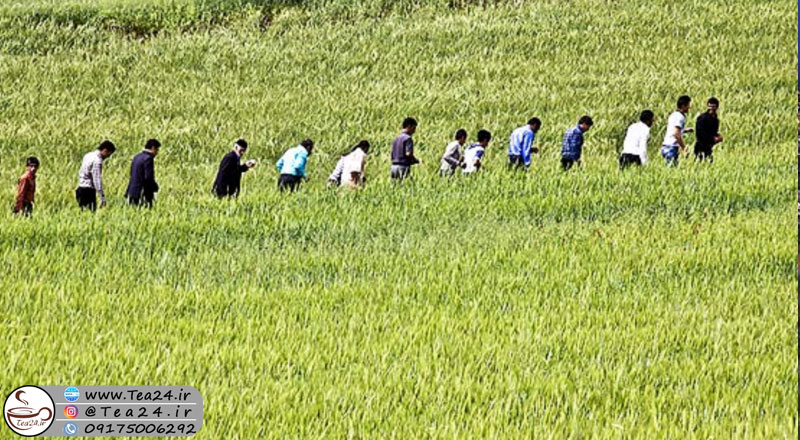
pixel 451 159
pixel 403 151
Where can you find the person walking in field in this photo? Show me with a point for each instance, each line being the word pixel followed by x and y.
pixel 90 177
pixel 520 145
pixel 451 160
pixel 473 157
pixel 353 166
pixel 634 148
pixel 142 185
pixel 572 143
pixel 229 175
pixel 26 188
pixel 674 145
pixel 707 132
pixel 403 151
pixel 292 166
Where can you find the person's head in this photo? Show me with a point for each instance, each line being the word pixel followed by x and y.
pixel 363 146
pixel 712 105
pixel 32 164
pixel 152 145
pixel 484 137
pixel 585 123
pixel 409 125
pixel 240 147
pixel 684 103
pixel 106 149
pixel 647 117
pixel 461 136
pixel 308 144
pixel 535 124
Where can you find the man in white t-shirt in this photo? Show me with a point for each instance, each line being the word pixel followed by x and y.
pixel 474 154
pixel 673 144
pixel 634 148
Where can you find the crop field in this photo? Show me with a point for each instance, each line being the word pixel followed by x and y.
pixel 654 303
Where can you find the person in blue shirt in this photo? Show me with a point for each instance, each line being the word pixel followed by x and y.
pixel 292 166
pixel 520 146
pixel 572 145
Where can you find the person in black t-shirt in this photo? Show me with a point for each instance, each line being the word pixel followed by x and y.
pixel 707 132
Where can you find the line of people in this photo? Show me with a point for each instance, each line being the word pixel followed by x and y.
pixel 349 169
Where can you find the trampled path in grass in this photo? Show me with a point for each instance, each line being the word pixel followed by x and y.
pixel 654 303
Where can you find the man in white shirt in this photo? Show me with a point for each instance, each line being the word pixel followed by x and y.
pixel 90 177
pixel 452 154
pixel 474 154
pixel 674 144
pixel 634 148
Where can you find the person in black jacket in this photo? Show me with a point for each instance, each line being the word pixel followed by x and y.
pixel 707 132
pixel 142 185
pixel 229 176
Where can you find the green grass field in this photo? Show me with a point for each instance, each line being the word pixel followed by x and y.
pixel 594 304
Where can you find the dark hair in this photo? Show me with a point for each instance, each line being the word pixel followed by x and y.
pixel 484 135
pixel 646 116
pixel 461 133
pixel 107 145
pixel 152 144
pixel 534 121
pixel 241 143
pixel 586 120
pixel 363 145
pixel 32 161
pixel 714 101
pixel 684 100
pixel 409 122
pixel 307 144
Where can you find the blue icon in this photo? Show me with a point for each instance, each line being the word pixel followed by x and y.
pixel 72 394
pixel 70 429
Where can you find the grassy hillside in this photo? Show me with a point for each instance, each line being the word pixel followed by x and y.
pixel 652 304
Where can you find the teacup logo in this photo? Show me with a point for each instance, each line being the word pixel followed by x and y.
pixel 28 411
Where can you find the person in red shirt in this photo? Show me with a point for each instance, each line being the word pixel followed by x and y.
pixel 26 190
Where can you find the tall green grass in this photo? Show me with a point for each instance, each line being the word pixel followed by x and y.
pixel 654 303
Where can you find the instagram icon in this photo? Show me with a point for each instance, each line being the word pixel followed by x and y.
pixel 71 411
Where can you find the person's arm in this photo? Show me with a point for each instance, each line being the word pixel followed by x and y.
pixel 22 189
pixel 279 164
pixel 449 153
pixel 150 183
pixel 527 141
pixel 717 136
pixel 642 141
pixel 679 138
pixel 97 180
pixel 300 168
pixel 478 159
pixel 408 146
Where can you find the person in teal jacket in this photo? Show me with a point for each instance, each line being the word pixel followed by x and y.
pixel 292 166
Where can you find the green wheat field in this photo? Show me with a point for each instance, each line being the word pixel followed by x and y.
pixel 655 303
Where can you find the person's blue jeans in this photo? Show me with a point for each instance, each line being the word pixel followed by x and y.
pixel 670 154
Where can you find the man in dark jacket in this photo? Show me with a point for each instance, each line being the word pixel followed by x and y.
pixel 707 129
pixel 229 176
pixel 143 186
